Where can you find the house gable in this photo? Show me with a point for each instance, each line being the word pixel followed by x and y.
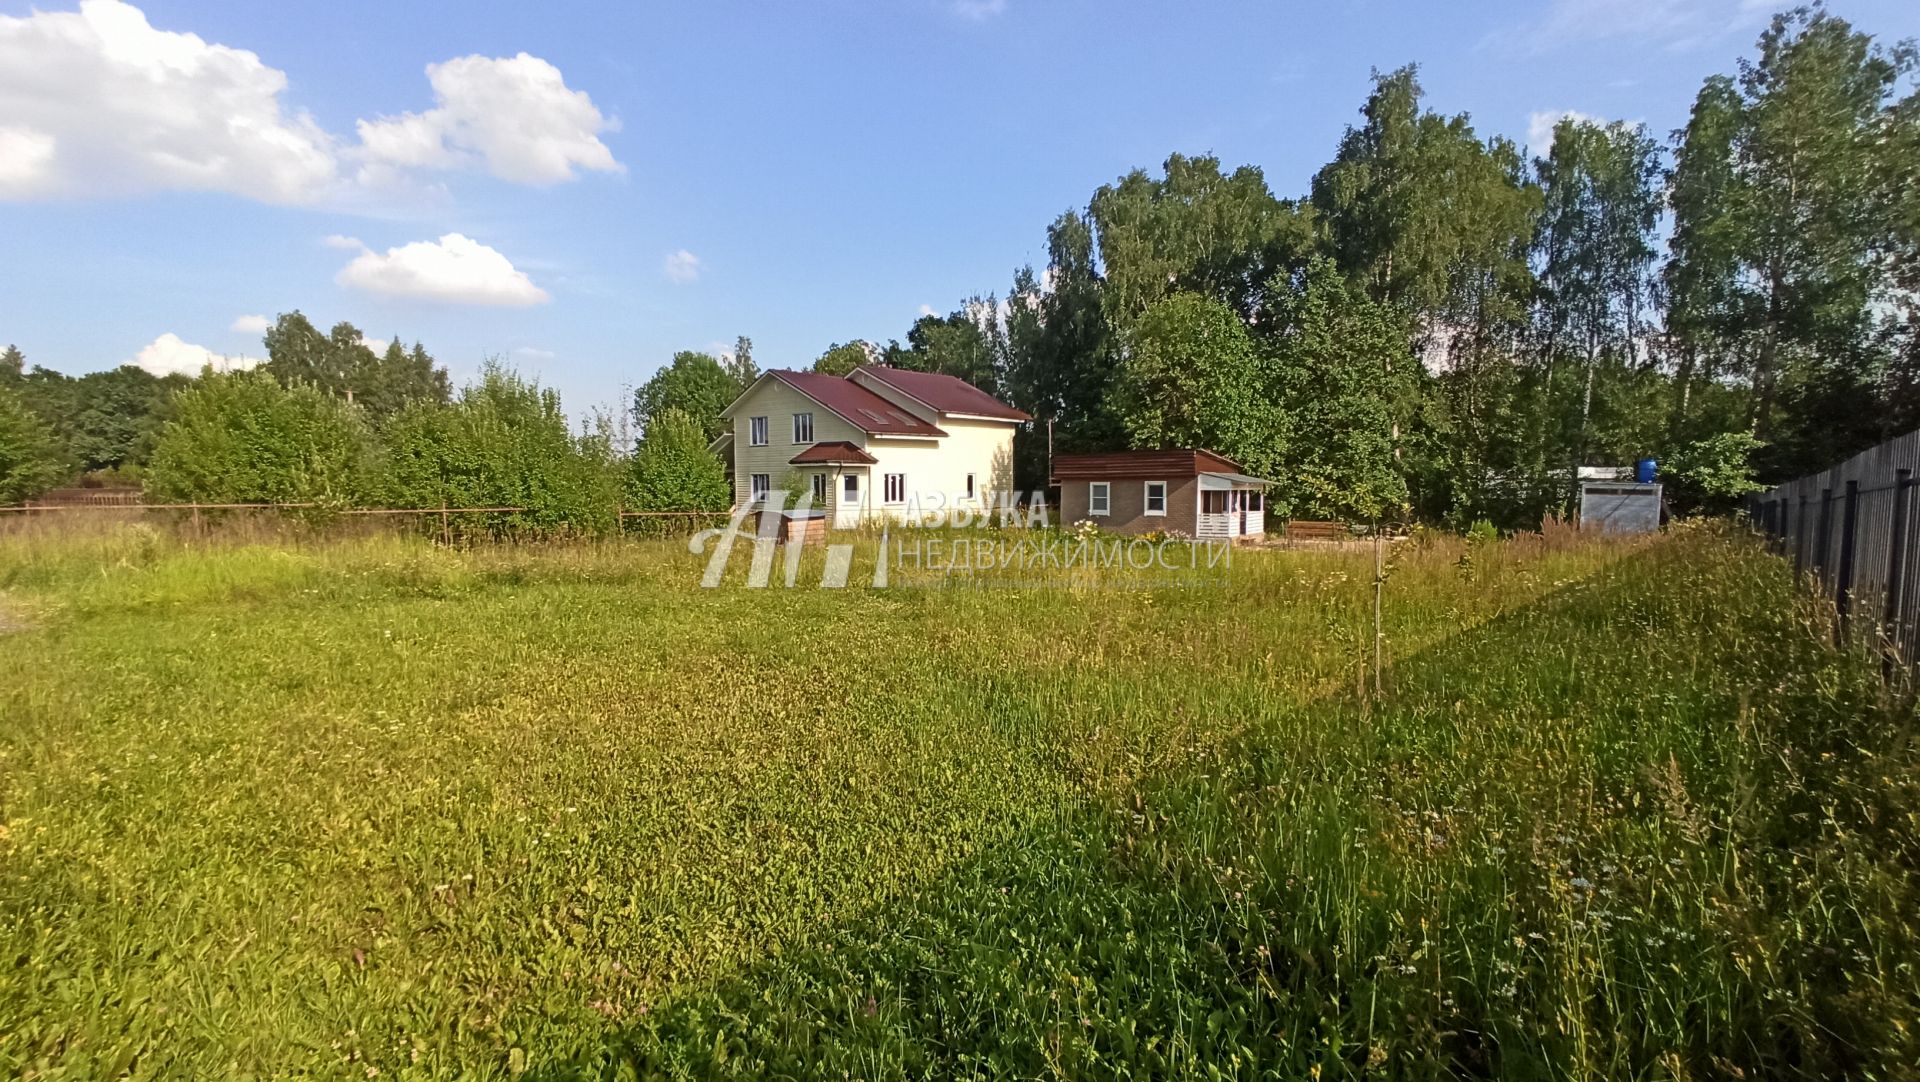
pixel 778 401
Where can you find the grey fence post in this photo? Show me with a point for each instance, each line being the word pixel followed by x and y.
pixel 1849 526
pixel 1800 536
pixel 1826 533
pixel 1897 556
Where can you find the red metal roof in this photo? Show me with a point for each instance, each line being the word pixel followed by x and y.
pixel 1179 462
pixel 833 453
pixel 855 404
pixel 943 393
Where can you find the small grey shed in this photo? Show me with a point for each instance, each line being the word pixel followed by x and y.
pixel 1613 507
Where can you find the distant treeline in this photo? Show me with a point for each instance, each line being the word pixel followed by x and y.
pixel 328 421
pixel 1450 324
pixel 1444 327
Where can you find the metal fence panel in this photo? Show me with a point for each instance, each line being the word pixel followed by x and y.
pixel 1852 526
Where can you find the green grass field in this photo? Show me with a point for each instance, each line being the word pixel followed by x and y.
pixel 372 808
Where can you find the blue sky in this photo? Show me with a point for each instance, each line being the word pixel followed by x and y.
pixel 654 177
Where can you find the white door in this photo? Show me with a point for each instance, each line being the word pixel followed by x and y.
pixel 846 509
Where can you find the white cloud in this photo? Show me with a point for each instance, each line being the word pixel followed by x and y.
pixel 979 9
pixel 927 310
pixel 344 243
pixel 99 103
pixel 167 355
pixel 516 116
pixel 378 345
pixel 1540 127
pixel 532 355
pixel 250 325
pixel 26 161
pixel 681 266
pixel 1676 24
pixel 454 269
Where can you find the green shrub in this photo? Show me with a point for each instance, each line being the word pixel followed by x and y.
pixel 673 471
pixel 29 459
pixel 243 438
pixel 1713 474
pixel 503 444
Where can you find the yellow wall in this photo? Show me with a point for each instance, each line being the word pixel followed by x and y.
pixel 778 402
pixel 936 470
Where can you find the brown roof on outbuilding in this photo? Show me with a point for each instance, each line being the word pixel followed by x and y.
pixel 833 453
pixel 1179 462
pixel 943 392
pixel 855 404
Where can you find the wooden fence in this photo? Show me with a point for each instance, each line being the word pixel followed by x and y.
pixel 664 522
pixel 1852 526
pixel 113 496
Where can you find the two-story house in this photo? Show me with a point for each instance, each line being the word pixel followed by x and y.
pixel 878 443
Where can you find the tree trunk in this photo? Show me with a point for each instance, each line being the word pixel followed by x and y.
pixel 1586 412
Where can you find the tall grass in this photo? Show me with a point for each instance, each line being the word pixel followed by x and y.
pixel 282 805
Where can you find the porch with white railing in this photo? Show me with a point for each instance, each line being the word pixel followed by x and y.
pixel 1231 506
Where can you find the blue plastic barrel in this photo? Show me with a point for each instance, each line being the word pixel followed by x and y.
pixel 1643 471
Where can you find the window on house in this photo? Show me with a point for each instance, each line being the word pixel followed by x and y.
pixel 759 484
pixel 1156 497
pixel 896 488
pixel 1099 497
pixel 1255 500
pixel 819 490
pixel 970 486
pixel 803 428
pixel 1214 502
pixel 757 431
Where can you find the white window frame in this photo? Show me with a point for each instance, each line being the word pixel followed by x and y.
pixel 803 420
pixel 1146 499
pixel 888 482
pixel 758 485
pixel 1256 500
pixel 756 431
pixel 1099 498
pixel 971 488
pixel 821 489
